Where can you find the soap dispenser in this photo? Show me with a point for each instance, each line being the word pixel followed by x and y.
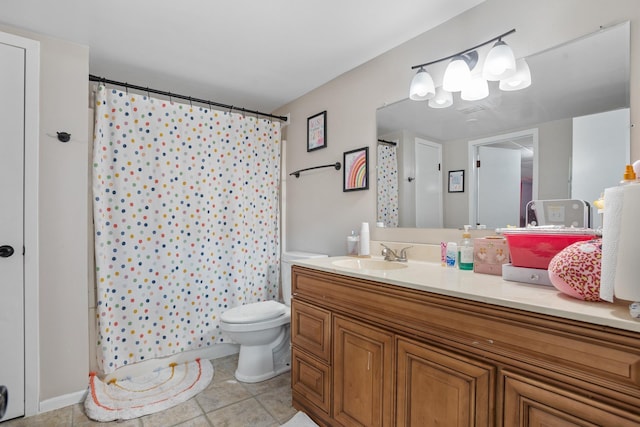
pixel 629 175
pixel 465 250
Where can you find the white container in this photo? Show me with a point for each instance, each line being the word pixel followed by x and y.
pixel 352 243
pixel 452 254
pixel 364 239
pixel 535 276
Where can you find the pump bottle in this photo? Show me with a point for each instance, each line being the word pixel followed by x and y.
pixel 465 251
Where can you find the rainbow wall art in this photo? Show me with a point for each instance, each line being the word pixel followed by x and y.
pixel 355 170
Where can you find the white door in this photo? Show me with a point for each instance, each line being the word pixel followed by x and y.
pixel 499 185
pixel 600 143
pixel 12 90
pixel 428 184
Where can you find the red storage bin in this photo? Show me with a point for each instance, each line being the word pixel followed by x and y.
pixel 534 248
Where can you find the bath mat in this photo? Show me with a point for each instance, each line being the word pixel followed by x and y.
pixel 137 396
pixel 300 420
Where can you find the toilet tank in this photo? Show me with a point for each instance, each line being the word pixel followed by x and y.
pixel 285 266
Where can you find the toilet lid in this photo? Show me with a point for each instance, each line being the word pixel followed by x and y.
pixel 254 312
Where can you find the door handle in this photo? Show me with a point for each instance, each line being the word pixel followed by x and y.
pixel 4 400
pixel 6 251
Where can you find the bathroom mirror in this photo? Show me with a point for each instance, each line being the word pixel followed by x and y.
pixel 582 78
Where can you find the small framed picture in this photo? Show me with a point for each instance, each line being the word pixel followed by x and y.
pixel 356 170
pixel 456 181
pixel 317 131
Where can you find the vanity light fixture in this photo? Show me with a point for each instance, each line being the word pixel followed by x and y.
pixel 443 99
pixel 500 62
pixel 520 80
pixel 475 89
pixel 422 87
pixel 461 76
pixel 458 72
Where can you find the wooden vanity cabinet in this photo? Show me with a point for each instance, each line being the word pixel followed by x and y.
pixel 366 353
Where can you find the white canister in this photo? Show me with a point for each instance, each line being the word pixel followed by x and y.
pixel 352 243
pixel 364 239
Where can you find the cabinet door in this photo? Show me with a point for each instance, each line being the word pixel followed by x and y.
pixel 532 403
pixel 440 388
pixel 362 374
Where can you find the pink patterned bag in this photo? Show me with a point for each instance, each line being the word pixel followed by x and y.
pixel 576 269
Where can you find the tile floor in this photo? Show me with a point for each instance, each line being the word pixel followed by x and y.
pixel 225 403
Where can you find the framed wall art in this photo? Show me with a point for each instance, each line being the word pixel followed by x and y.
pixel 356 170
pixel 317 131
pixel 456 181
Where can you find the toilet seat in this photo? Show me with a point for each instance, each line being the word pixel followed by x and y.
pixel 254 312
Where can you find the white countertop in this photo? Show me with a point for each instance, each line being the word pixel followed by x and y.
pixel 432 277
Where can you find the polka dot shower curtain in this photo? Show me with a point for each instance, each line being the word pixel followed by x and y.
pixel 387 184
pixel 186 219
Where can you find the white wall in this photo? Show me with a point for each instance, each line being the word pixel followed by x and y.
pixel 319 214
pixel 63 218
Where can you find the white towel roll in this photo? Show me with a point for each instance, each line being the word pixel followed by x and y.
pixel 621 243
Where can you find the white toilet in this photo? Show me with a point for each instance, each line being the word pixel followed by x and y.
pixel 262 330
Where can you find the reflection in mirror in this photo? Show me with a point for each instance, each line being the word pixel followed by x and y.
pixel 577 88
pixel 503 180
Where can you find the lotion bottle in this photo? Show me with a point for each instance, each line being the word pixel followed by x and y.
pixel 465 251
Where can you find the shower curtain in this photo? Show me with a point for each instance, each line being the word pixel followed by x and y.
pixel 186 219
pixel 387 184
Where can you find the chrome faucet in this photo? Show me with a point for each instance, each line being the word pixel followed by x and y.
pixel 390 255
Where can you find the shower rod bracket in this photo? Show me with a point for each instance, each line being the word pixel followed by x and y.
pixel 336 165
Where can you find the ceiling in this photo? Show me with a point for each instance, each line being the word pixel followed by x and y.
pixel 248 53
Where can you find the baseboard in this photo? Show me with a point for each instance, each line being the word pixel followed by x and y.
pixel 62 401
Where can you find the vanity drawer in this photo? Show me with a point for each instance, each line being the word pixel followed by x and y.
pixel 310 380
pixel 311 329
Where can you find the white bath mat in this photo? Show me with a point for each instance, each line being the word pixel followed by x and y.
pixel 159 390
pixel 300 420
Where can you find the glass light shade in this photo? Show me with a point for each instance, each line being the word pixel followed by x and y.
pixel 476 89
pixel 500 62
pixel 456 75
pixel 422 87
pixel 443 99
pixel 520 80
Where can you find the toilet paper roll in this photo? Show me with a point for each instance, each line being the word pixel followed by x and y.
pixel 621 243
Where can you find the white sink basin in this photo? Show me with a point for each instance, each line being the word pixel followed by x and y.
pixel 368 264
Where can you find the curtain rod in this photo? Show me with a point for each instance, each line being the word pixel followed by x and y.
pixel 93 78
pixel 384 141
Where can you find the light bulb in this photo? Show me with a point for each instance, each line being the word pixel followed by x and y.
pixel 456 75
pixel 476 89
pixel 500 62
pixel 520 80
pixel 422 87
pixel 443 99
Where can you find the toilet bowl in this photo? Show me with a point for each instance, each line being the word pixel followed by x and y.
pixel 262 330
